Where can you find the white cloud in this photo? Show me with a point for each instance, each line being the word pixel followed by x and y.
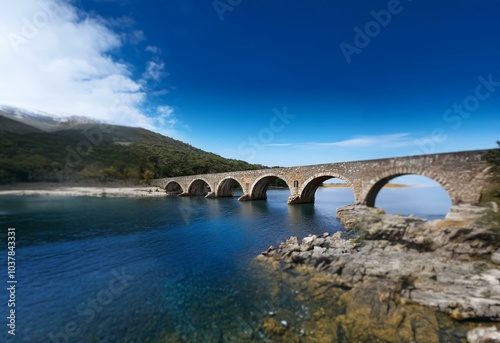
pixel 153 49
pixel 165 116
pixel 377 141
pixel 155 70
pixel 137 36
pixel 160 92
pixel 397 140
pixel 278 144
pixel 57 59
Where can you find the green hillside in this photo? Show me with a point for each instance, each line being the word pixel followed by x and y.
pixel 100 153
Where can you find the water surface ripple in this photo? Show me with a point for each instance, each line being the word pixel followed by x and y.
pixel 144 270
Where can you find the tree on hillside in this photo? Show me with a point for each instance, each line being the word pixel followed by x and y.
pixel 148 175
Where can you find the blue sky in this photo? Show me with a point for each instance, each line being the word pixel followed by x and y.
pixel 270 82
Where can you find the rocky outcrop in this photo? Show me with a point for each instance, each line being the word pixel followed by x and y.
pixel 460 237
pixel 371 312
pixel 319 252
pixel 392 262
pixel 495 257
pixel 484 335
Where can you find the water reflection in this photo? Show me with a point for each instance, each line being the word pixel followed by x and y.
pixel 300 213
pixel 254 208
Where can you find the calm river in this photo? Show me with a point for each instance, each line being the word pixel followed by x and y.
pixel 161 269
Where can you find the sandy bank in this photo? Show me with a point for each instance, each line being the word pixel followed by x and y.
pixel 115 192
pixel 389 185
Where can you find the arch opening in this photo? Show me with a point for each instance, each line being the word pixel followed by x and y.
pixel 173 188
pixel 199 187
pixel 259 190
pixel 327 183
pixel 228 187
pixel 407 194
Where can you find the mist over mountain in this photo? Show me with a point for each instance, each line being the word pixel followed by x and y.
pixel 44 121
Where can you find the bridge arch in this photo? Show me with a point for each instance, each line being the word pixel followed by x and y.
pixel 173 187
pixel 226 185
pixel 199 187
pixel 308 189
pixel 258 190
pixel 376 185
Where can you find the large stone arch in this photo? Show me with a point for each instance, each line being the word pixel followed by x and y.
pixel 197 187
pixel 225 186
pixel 258 190
pixel 308 189
pixel 173 187
pixel 376 184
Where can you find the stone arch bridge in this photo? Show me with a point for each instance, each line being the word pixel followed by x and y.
pixel 462 174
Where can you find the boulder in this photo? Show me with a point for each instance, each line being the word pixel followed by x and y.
pixel 495 257
pixel 483 335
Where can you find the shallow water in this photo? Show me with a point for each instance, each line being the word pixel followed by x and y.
pixel 157 269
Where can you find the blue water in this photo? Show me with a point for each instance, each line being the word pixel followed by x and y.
pixel 159 269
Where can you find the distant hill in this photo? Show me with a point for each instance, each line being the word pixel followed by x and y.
pixel 8 125
pixel 38 149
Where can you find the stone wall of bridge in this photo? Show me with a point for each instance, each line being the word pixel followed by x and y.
pixel 462 174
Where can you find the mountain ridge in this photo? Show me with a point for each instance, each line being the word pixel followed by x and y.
pixel 81 150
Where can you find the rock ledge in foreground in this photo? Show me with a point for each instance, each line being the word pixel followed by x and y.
pixel 447 265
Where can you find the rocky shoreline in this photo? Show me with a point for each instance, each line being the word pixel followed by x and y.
pixel 389 264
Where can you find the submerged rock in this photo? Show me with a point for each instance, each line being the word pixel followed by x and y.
pixel 374 309
pixel 272 327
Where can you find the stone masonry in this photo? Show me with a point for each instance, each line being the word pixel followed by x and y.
pixel 462 174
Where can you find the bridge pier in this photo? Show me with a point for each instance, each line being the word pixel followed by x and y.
pixel 211 195
pixel 248 197
pixel 296 199
pixel 173 193
pixel 244 197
